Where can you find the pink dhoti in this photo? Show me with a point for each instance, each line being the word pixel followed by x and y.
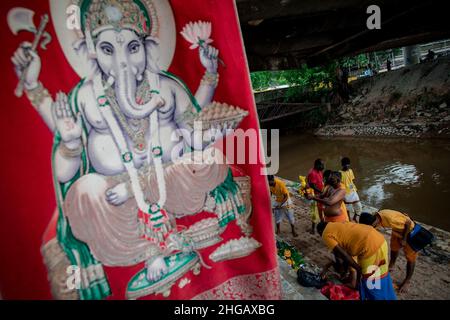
pixel 112 232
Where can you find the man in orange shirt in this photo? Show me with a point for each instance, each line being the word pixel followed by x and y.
pixel 366 251
pixel 401 226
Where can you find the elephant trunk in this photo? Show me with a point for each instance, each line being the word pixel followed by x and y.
pixel 125 87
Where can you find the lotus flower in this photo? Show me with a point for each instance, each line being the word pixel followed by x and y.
pixel 197 33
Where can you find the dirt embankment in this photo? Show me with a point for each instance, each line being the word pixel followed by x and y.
pixel 412 101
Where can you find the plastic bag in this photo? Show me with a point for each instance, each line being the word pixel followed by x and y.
pixel 309 279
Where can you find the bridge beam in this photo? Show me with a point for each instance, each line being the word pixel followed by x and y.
pixel 284 34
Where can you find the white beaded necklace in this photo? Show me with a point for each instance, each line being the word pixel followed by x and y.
pixel 153 215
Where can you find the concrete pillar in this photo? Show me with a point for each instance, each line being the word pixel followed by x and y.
pixel 411 55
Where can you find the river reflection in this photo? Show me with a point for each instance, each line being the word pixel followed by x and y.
pixel 398 173
pixel 408 175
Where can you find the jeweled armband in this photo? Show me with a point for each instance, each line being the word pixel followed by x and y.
pixel 70 153
pixel 210 79
pixel 37 95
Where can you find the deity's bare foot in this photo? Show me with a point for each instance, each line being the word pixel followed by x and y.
pixel 156 269
pixel 117 195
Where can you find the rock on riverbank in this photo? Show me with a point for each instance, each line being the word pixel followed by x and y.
pixel 413 130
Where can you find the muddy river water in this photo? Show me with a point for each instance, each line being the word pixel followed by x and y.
pixel 408 175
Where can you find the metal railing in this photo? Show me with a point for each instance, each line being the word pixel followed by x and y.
pixel 277 110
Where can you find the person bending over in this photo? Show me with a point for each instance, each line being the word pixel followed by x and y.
pixel 366 251
pixel 401 225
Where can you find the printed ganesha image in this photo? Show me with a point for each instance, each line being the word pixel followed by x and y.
pixel 128 193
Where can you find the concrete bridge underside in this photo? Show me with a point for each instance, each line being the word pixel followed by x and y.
pixel 283 34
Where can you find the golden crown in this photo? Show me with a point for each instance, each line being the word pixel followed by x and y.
pixel 137 15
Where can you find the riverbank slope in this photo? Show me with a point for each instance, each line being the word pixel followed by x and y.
pixel 413 101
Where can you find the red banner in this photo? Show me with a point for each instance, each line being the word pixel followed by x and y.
pixel 58 227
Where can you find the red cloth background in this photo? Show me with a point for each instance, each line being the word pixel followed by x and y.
pixel 26 189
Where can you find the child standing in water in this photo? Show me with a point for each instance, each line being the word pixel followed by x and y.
pixel 351 194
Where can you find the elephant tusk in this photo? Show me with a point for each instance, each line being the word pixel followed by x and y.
pixel 110 80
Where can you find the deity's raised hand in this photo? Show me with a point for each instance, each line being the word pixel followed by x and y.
pixel 209 58
pixel 68 127
pixel 24 57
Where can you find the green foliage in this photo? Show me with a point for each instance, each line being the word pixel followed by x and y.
pixel 359 60
pixel 306 82
pixel 265 79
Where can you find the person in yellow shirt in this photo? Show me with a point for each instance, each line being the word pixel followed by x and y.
pixel 366 251
pixel 281 203
pixel 401 225
pixel 351 194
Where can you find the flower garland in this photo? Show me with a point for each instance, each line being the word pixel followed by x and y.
pixel 290 254
pixel 155 223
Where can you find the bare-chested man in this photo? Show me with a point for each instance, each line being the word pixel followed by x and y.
pixel 333 199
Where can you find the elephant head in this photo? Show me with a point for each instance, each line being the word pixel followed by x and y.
pixel 124 59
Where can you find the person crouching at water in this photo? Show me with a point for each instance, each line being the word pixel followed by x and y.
pixel 333 199
pixel 282 203
pixel 401 226
pixel 366 251
pixel 315 182
pixel 351 195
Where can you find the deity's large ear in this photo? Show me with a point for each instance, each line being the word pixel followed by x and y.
pixel 153 53
pixel 90 61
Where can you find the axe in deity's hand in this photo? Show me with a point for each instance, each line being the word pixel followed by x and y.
pixel 21 19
